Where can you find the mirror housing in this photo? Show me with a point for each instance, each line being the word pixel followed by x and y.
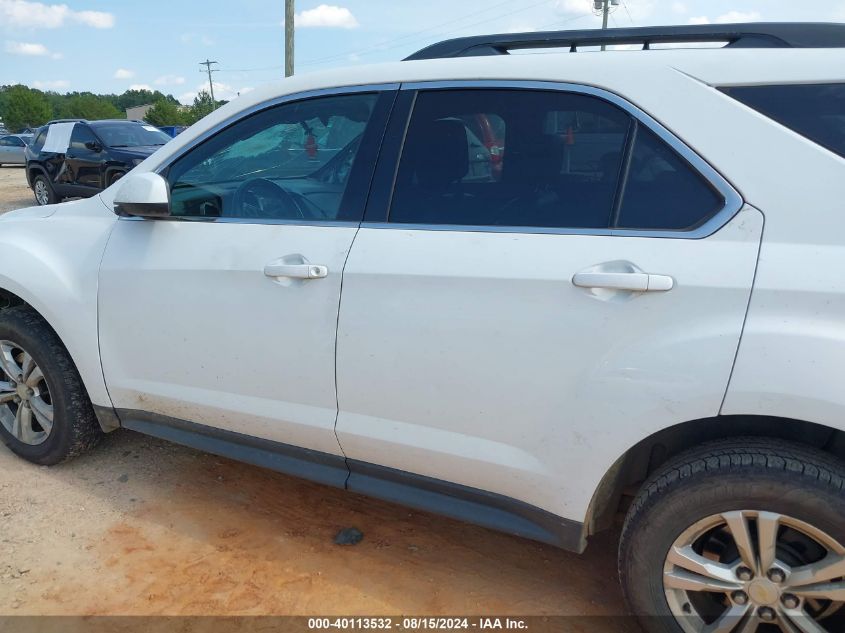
pixel 94 146
pixel 142 195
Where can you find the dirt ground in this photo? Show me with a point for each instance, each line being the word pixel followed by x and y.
pixel 14 192
pixel 143 527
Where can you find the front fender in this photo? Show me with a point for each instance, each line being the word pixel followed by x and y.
pixel 53 263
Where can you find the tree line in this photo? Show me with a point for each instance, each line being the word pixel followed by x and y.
pixel 22 107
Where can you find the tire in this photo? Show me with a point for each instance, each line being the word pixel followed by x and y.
pixel 74 426
pixel 49 195
pixel 803 487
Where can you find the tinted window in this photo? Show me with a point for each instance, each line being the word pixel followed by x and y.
pixel 6 141
pixel 80 135
pixel 662 190
pixel 291 162
pixel 816 111
pixel 126 134
pixel 510 158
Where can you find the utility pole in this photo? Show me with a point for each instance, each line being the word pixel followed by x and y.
pixel 207 63
pixel 604 7
pixel 289 12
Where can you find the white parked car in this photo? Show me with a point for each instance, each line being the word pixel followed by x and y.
pixel 534 292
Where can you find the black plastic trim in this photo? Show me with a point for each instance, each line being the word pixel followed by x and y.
pixel 747 35
pixel 417 491
pixel 284 458
pixel 381 189
pixel 465 504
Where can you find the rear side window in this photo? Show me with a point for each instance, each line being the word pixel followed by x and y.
pixel 39 140
pixel 510 158
pixel 544 159
pixel 816 111
pixel 662 191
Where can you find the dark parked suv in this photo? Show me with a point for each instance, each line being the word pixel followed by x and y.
pixel 93 157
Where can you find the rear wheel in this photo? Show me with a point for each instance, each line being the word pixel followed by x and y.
pixel 45 414
pixel 43 191
pixel 739 536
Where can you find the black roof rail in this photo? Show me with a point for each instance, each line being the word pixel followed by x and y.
pixel 747 35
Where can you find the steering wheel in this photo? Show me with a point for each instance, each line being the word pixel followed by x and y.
pixel 264 199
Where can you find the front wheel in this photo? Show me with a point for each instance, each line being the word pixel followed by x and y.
pixel 739 536
pixel 45 414
pixel 43 191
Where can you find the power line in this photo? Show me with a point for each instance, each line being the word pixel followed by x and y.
pixel 381 45
pixel 379 48
pixel 628 12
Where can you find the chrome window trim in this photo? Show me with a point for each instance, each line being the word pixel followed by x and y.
pixel 243 114
pixel 733 200
pixel 270 103
pixel 188 219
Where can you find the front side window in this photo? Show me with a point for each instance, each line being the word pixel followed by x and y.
pixel 815 111
pixel 81 135
pixel 289 162
pixel 510 158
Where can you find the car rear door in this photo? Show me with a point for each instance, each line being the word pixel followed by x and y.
pixel 223 317
pixel 12 151
pixel 514 329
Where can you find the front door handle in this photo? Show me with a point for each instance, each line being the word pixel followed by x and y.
pixel 296 271
pixel 633 281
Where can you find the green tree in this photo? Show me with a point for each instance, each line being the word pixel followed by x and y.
pixel 202 106
pixel 89 106
pixel 132 98
pixel 23 107
pixel 165 112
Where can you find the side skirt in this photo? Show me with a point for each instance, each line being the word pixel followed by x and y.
pixel 417 491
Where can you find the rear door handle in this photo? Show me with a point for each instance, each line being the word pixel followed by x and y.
pixel 633 281
pixel 296 271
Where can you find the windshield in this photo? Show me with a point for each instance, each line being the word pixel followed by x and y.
pixel 130 134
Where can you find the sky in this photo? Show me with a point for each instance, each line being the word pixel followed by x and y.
pixel 109 46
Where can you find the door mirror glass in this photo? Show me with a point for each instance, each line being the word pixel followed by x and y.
pixel 143 195
pixel 94 146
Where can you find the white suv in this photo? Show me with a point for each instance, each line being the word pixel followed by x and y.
pixel 535 292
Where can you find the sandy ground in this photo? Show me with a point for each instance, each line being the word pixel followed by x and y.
pixel 144 527
pixel 14 192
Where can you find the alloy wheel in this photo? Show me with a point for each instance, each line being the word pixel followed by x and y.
pixel 752 571
pixel 26 407
pixel 42 195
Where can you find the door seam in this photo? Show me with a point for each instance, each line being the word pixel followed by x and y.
pixel 747 309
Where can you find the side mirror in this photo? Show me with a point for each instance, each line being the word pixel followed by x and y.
pixel 94 146
pixel 144 195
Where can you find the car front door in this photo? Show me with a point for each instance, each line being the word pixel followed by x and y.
pixel 515 329
pixel 224 316
pixel 84 160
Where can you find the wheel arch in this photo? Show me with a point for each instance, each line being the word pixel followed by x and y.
pixel 623 478
pixel 106 415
